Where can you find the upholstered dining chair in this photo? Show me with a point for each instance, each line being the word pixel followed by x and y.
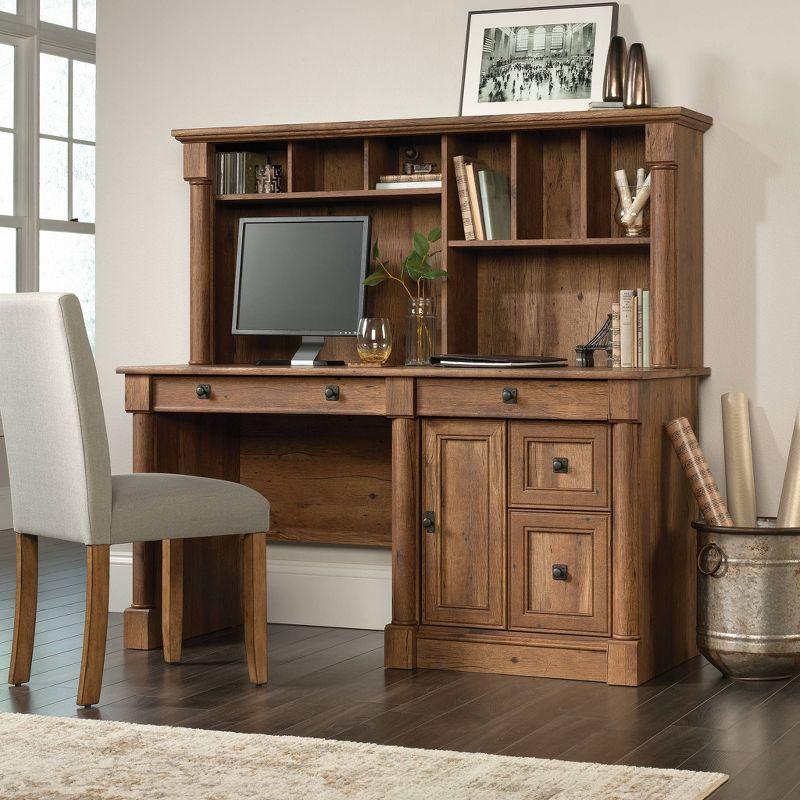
pixel 62 487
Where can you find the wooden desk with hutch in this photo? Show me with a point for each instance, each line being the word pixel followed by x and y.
pixel 542 531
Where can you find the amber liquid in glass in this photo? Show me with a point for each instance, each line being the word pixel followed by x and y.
pixel 374 355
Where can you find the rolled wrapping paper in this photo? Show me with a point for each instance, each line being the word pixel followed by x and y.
pixel 702 483
pixel 623 189
pixel 642 196
pixel 739 480
pixel 789 509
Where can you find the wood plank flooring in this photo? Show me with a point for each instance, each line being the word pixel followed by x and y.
pixel 329 682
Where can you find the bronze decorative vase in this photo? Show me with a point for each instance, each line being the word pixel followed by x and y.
pixel 614 78
pixel 637 79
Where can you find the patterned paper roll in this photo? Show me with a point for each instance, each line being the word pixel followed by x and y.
pixel 702 483
pixel 739 480
pixel 789 509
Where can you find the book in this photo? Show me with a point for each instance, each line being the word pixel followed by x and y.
pixel 236 171
pixel 434 184
pixel 460 170
pixel 420 176
pixel 474 198
pixel 646 329
pixel 599 105
pixel 639 329
pixel 626 337
pixel 495 200
pixel 615 351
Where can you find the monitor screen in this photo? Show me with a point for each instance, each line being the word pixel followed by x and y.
pixel 300 275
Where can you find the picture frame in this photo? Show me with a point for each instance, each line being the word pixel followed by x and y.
pixel 534 60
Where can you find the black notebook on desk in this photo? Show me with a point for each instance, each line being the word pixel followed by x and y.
pixel 460 360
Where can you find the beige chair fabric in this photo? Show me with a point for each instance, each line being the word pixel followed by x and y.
pixel 57 447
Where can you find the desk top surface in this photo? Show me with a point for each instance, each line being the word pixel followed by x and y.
pixel 358 371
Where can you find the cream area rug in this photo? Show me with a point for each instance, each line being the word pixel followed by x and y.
pixel 51 758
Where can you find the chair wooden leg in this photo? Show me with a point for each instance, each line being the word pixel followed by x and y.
pixel 254 595
pixel 172 599
pixel 19 670
pixel 96 625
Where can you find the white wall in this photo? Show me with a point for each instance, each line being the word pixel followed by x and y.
pixel 190 63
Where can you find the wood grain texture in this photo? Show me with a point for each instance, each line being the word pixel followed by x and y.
pixel 137 392
pixel 329 484
pixel 276 396
pixel 201 216
pixel 464 556
pixel 581 542
pixel 434 125
pixel 96 624
pixel 533 480
pixel 27 582
pixel 172 599
pixel 254 601
pixel 484 398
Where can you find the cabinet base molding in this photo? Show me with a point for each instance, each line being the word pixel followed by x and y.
pixel 400 646
pixel 509 653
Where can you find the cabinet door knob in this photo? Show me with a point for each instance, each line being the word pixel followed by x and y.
pixel 429 521
pixel 561 465
pixel 509 395
pixel 560 572
pixel 203 391
pixel 331 392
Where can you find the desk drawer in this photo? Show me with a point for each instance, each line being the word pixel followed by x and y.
pixel 267 395
pixel 532 399
pixel 559 465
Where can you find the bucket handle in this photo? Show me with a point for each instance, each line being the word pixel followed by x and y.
pixel 707 548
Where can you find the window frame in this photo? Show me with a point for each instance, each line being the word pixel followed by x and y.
pixel 30 37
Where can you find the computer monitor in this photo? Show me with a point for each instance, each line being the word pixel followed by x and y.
pixel 301 275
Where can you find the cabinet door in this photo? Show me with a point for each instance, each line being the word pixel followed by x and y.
pixel 464 499
pixel 559 571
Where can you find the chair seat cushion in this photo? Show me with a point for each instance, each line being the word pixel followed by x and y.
pixel 151 506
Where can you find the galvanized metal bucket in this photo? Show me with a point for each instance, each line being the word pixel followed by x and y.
pixel 748 599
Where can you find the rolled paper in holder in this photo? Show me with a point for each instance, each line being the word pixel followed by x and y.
pixel 624 191
pixel 701 481
pixel 739 479
pixel 789 510
pixel 639 202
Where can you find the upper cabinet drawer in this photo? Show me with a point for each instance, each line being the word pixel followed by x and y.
pixel 559 465
pixel 279 395
pixel 510 397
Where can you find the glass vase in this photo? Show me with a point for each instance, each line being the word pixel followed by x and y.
pixel 420 332
pixel 374 340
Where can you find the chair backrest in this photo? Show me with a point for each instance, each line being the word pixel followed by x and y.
pixel 52 415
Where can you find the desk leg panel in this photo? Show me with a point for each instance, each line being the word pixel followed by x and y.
pixel 400 635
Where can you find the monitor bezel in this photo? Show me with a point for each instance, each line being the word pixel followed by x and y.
pixel 365 242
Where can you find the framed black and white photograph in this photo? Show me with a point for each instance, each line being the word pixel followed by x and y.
pixel 528 60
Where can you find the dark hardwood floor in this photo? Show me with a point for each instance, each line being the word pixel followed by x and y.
pixel 328 682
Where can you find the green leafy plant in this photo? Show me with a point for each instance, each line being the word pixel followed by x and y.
pixel 416 265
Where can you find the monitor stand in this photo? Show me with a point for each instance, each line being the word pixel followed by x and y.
pixel 306 355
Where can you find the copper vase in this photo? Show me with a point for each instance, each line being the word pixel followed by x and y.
pixel 637 79
pixel 614 79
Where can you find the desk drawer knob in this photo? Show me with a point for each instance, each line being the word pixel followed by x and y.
pixel 203 391
pixel 561 465
pixel 560 572
pixel 429 521
pixel 331 392
pixel 509 395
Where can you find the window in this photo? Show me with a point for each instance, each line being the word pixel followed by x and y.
pixel 522 40
pixel 539 38
pixel 47 147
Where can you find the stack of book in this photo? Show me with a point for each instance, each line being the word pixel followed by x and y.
pixel 630 329
pixel 420 180
pixel 485 199
pixel 236 172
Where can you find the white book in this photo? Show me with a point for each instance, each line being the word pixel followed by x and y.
pixel 433 184
pixel 646 328
pixel 615 360
pixel 639 328
pixel 626 337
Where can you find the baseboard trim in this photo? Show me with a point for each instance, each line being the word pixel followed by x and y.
pixel 6 519
pixel 333 595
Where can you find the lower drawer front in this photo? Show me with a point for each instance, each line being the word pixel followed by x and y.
pixel 510 397
pixel 263 395
pixel 559 572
